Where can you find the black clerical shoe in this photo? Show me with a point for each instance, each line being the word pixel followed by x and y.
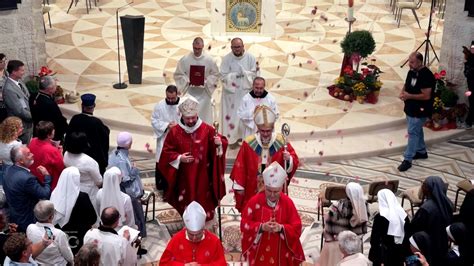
pixel 142 251
pixel 419 155
pixel 405 165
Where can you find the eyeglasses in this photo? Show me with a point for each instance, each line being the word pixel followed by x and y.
pixel 235 47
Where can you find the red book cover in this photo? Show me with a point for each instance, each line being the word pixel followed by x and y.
pixel 196 75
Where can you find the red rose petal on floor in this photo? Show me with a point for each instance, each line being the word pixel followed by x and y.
pixel 209 47
pixel 321 153
pixel 215 9
pixel 278 68
pixel 339 132
pixel 293 55
pixel 301 65
pixel 390 143
pixel 305 94
pixel 311 133
pixel 227 117
pixel 164 74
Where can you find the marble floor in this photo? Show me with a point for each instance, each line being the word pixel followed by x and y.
pixel 302 59
pixel 452 160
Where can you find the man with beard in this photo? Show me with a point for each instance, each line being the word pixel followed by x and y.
pixel 258 96
pixel 164 117
pixel 193 161
pixel 258 151
pixel 22 189
pixel 238 69
pixel 197 74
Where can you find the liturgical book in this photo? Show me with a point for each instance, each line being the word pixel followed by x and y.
pixel 196 75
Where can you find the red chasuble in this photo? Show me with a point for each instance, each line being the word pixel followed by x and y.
pixel 180 251
pixel 196 181
pixel 247 166
pixel 264 248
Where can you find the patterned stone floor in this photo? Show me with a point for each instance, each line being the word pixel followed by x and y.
pixel 452 160
pixel 301 60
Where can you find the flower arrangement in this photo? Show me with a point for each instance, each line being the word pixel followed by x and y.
pixel 352 84
pixel 33 84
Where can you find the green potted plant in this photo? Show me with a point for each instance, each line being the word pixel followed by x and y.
pixel 358 42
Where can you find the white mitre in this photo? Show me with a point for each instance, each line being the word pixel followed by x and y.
pixel 194 216
pixel 188 106
pixel 264 116
pixel 274 175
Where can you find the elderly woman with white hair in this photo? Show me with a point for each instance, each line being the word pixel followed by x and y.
pixel 131 183
pixel 347 214
pixel 350 246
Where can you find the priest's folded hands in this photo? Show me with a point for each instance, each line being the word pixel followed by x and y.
pixel 272 227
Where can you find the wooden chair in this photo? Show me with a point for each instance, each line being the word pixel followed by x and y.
pixel 416 4
pixel 46 9
pixel 330 192
pixel 88 5
pixel 464 185
pixel 146 201
pixel 376 186
pixel 415 196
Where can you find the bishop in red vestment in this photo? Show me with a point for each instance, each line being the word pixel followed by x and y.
pixel 193 161
pixel 271 226
pixel 258 151
pixel 194 245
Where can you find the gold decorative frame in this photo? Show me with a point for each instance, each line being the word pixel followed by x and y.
pixel 243 15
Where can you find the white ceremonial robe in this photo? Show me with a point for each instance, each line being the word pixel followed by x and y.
pixel 162 115
pixel 247 108
pixel 128 217
pixel 237 77
pixel 114 249
pixel 202 93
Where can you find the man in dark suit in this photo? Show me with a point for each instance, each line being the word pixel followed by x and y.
pixel 15 97
pixel 44 108
pixel 22 188
pixel 97 133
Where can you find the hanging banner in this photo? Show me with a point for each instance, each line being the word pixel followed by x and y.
pixel 243 15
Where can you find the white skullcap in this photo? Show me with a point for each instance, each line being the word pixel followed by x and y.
pixel 188 106
pixel 194 216
pixel 124 139
pixel 274 175
pixel 264 116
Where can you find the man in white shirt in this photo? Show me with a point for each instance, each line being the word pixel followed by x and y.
pixel 164 117
pixel 238 70
pixel 59 252
pixel 114 249
pixel 197 74
pixel 258 96
pixel 349 244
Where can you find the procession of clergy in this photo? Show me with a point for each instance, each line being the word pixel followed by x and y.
pixel 191 156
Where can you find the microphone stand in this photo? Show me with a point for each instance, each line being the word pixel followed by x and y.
pixel 120 84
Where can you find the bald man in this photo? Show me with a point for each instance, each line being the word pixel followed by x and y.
pixel 238 70
pixel 418 96
pixel 197 74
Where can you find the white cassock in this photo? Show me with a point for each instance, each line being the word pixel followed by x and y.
pixel 247 108
pixel 202 93
pixel 114 249
pixel 162 115
pixel 237 78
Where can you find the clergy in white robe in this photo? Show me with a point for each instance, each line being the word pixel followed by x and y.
pixel 258 96
pixel 114 249
pixel 238 70
pixel 165 116
pixel 197 74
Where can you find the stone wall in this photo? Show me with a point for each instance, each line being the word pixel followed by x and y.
pixel 22 34
pixel 458 32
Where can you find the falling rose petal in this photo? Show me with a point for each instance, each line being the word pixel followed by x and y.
pixel 390 143
pixel 207 254
pixel 278 85
pixel 181 247
pixel 278 68
pixel 311 133
pixel 301 65
pixel 282 236
pixel 215 9
pixel 249 211
pixel 231 126
pixel 227 117
pixel 164 74
pixel 246 226
pixel 339 132
pixel 293 55
pixel 209 47
pixel 309 61
pixel 180 198
pixel 313 12
pixel 345 110
pixel 234 84
pixel 321 153
pixel 468 93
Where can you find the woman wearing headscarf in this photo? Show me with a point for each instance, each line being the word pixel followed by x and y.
pixel 457 255
pixel 466 216
pixel 347 214
pixel 388 231
pixel 420 247
pixel 111 196
pixel 433 216
pixel 75 213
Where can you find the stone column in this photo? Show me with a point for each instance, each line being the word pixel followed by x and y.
pixel 22 35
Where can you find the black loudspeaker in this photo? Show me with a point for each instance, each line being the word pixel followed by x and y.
pixel 133 32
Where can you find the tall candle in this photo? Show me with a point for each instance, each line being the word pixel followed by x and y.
pixel 350 10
